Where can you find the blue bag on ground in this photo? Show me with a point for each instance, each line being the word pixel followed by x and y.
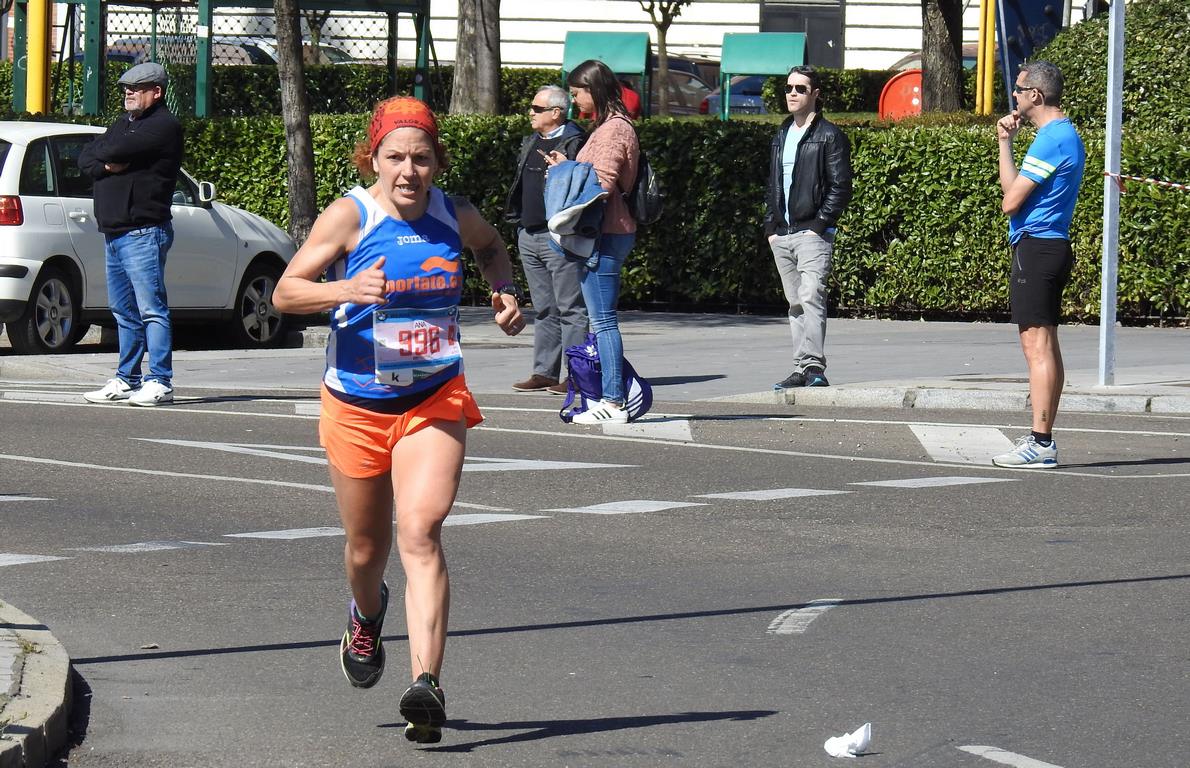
pixel 585 383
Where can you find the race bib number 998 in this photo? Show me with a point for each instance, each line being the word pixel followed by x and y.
pixel 414 344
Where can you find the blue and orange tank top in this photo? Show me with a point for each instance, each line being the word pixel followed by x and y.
pixel 403 348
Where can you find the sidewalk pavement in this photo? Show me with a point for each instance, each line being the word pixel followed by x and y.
pixel 687 357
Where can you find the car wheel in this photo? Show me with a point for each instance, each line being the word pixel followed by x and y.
pixel 256 322
pixel 51 321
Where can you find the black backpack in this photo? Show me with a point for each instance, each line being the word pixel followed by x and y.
pixel 646 201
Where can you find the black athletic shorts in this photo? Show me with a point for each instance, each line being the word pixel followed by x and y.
pixel 1040 270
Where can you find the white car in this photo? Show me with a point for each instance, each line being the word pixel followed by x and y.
pixel 222 268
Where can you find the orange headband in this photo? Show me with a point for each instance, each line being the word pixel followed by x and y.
pixel 401 112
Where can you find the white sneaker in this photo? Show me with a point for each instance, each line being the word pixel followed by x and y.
pixel 114 390
pixel 603 413
pixel 152 393
pixel 1029 454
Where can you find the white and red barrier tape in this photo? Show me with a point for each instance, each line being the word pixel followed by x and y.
pixel 1120 178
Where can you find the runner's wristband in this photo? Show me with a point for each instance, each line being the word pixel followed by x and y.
pixel 512 289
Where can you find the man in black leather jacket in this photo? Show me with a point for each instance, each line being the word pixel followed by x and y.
pixel 809 187
pixel 135 167
pixel 553 279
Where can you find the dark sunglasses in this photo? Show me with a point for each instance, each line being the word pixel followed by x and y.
pixel 538 110
pixel 1023 88
pixel 800 88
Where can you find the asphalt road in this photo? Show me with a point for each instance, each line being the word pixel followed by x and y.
pixel 647 601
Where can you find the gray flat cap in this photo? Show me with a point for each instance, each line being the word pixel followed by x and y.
pixel 149 73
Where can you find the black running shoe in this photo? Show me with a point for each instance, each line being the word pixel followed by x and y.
pixel 423 705
pixel 816 377
pixel 361 654
pixel 795 379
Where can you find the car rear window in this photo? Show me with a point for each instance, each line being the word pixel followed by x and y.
pixel 4 147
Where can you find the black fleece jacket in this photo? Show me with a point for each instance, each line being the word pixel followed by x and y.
pixel 821 180
pixel 140 195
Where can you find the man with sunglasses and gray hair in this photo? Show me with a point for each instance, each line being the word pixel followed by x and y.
pixel 554 288
pixel 1039 201
pixel 809 187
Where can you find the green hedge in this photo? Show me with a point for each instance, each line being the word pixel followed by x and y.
pixel 924 233
pixel 1156 67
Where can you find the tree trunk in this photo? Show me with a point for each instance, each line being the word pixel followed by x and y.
pixel 941 55
pixel 295 113
pixel 662 73
pixel 477 59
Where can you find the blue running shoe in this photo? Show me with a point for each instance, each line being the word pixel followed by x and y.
pixel 816 377
pixel 361 654
pixel 1029 454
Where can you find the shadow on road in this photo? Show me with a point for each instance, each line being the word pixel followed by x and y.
pixel 548 729
pixel 620 620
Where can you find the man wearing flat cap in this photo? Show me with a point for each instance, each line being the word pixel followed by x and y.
pixel 135 165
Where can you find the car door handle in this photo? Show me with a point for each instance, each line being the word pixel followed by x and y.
pixel 79 215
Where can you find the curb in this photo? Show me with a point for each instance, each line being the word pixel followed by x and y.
pixel 37 715
pixel 925 398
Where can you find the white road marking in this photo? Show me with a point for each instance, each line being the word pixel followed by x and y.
pixel 8 558
pixel 289 535
pixel 150 546
pixel 478 519
pixel 963 445
pixel 23 498
pixel 470 464
pixel 769 494
pixel 627 507
pixel 808 455
pixel 484 464
pixel 43 397
pixel 997 755
pixel 795 621
pixel 193 476
pixel 660 429
pixel 145 413
pixel 936 482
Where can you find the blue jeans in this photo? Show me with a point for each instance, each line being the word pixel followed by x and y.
pixel 136 295
pixel 601 292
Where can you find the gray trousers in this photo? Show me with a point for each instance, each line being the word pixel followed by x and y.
pixel 804 263
pixel 557 299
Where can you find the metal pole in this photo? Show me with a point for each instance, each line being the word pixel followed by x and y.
pixel 94 57
pixel 3 35
pixel 37 93
pixel 1111 195
pixel 202 60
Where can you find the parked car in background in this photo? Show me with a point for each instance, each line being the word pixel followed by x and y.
pixel 226 50
pixel 744 97
pixel 222 268
pixel 686 92
pixel 913 60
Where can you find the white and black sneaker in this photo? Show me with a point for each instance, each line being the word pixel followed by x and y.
pixel 603 413
pixel 113 391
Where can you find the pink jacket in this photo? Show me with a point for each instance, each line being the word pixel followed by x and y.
pixel 615 152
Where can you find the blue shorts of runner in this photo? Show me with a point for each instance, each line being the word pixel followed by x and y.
pixel 1040 271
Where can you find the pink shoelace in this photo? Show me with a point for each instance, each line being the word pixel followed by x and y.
pixel 363 638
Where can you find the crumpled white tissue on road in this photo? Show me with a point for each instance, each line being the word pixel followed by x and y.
pixel 849 744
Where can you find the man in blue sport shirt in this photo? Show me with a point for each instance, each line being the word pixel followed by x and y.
pixel 1039 201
